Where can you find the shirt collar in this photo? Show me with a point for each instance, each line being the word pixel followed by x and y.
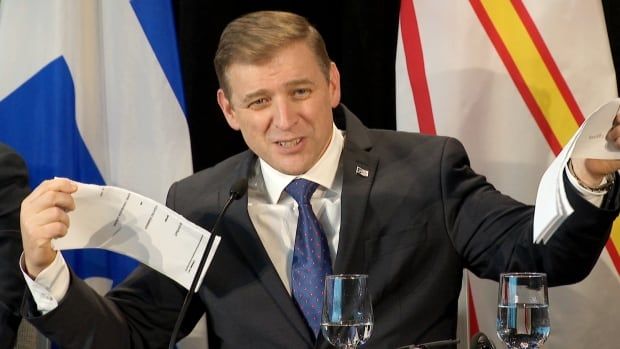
pixel 323 172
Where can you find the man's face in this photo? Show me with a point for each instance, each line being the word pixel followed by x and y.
pixel 283 107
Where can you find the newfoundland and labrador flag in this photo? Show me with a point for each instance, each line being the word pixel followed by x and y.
pixel 513 80
pixel 91 90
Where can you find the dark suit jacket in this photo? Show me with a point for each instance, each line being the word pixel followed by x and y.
pixel 412 225
pixel 13 189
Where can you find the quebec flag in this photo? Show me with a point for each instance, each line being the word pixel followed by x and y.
pixel 91 90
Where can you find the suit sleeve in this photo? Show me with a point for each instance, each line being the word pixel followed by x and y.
pixel 13 189
pixel 493 232
pixel 138 313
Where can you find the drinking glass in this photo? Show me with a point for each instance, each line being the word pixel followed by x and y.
pixel 347 310
pixel 523 310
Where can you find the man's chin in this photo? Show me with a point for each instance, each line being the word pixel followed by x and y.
pixel 292 168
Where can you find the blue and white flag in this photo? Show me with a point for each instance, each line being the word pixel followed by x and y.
pixel 91 90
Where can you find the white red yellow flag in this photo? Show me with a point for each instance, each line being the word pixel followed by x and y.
pixel 513 80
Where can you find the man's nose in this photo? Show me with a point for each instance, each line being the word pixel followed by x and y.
pixel 285 116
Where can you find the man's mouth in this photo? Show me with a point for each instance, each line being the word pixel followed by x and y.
pixel 289 144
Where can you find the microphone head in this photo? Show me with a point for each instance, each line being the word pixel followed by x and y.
pixel 239 188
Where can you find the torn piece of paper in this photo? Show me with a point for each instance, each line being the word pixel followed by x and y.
pixel 128 223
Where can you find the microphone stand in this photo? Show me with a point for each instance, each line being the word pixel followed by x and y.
pixel 237 191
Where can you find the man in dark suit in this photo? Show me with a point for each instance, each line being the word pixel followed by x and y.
pixel 404 208
pixel 13 189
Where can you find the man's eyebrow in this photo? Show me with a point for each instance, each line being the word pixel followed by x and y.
pixel 299 82
pixel 262 92
pixel 253 95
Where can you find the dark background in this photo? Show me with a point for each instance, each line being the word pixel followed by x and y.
pixel 361 38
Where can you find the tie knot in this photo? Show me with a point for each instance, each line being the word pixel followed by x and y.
pixel 301 190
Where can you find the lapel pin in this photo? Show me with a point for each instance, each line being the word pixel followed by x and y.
pixel 361 171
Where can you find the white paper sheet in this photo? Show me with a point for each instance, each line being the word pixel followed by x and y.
pixel 552 206
pixel 128 223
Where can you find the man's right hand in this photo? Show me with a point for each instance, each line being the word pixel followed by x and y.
pixel 43 218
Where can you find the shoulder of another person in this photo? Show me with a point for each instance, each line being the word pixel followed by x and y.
pixel 10 158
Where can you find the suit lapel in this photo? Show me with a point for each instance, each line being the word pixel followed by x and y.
pixel 359 169
pixel 253 251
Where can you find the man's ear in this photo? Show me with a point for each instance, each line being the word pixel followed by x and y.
pixel 227 110
pixel 334 85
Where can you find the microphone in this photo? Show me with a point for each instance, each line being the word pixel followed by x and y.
pixel 481 341
pixel 237 191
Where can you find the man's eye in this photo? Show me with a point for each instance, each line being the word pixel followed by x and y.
pixel 258 103
pixel 301 92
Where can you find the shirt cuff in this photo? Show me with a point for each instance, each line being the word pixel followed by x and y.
pixel 50 286
pixel 593 197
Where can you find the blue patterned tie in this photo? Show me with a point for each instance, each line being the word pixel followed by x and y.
pixel 311 259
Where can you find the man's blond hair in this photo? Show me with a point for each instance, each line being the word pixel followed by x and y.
pixel 256 38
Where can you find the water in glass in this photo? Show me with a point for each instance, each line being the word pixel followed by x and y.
pixel 523 310
pixel 347 310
